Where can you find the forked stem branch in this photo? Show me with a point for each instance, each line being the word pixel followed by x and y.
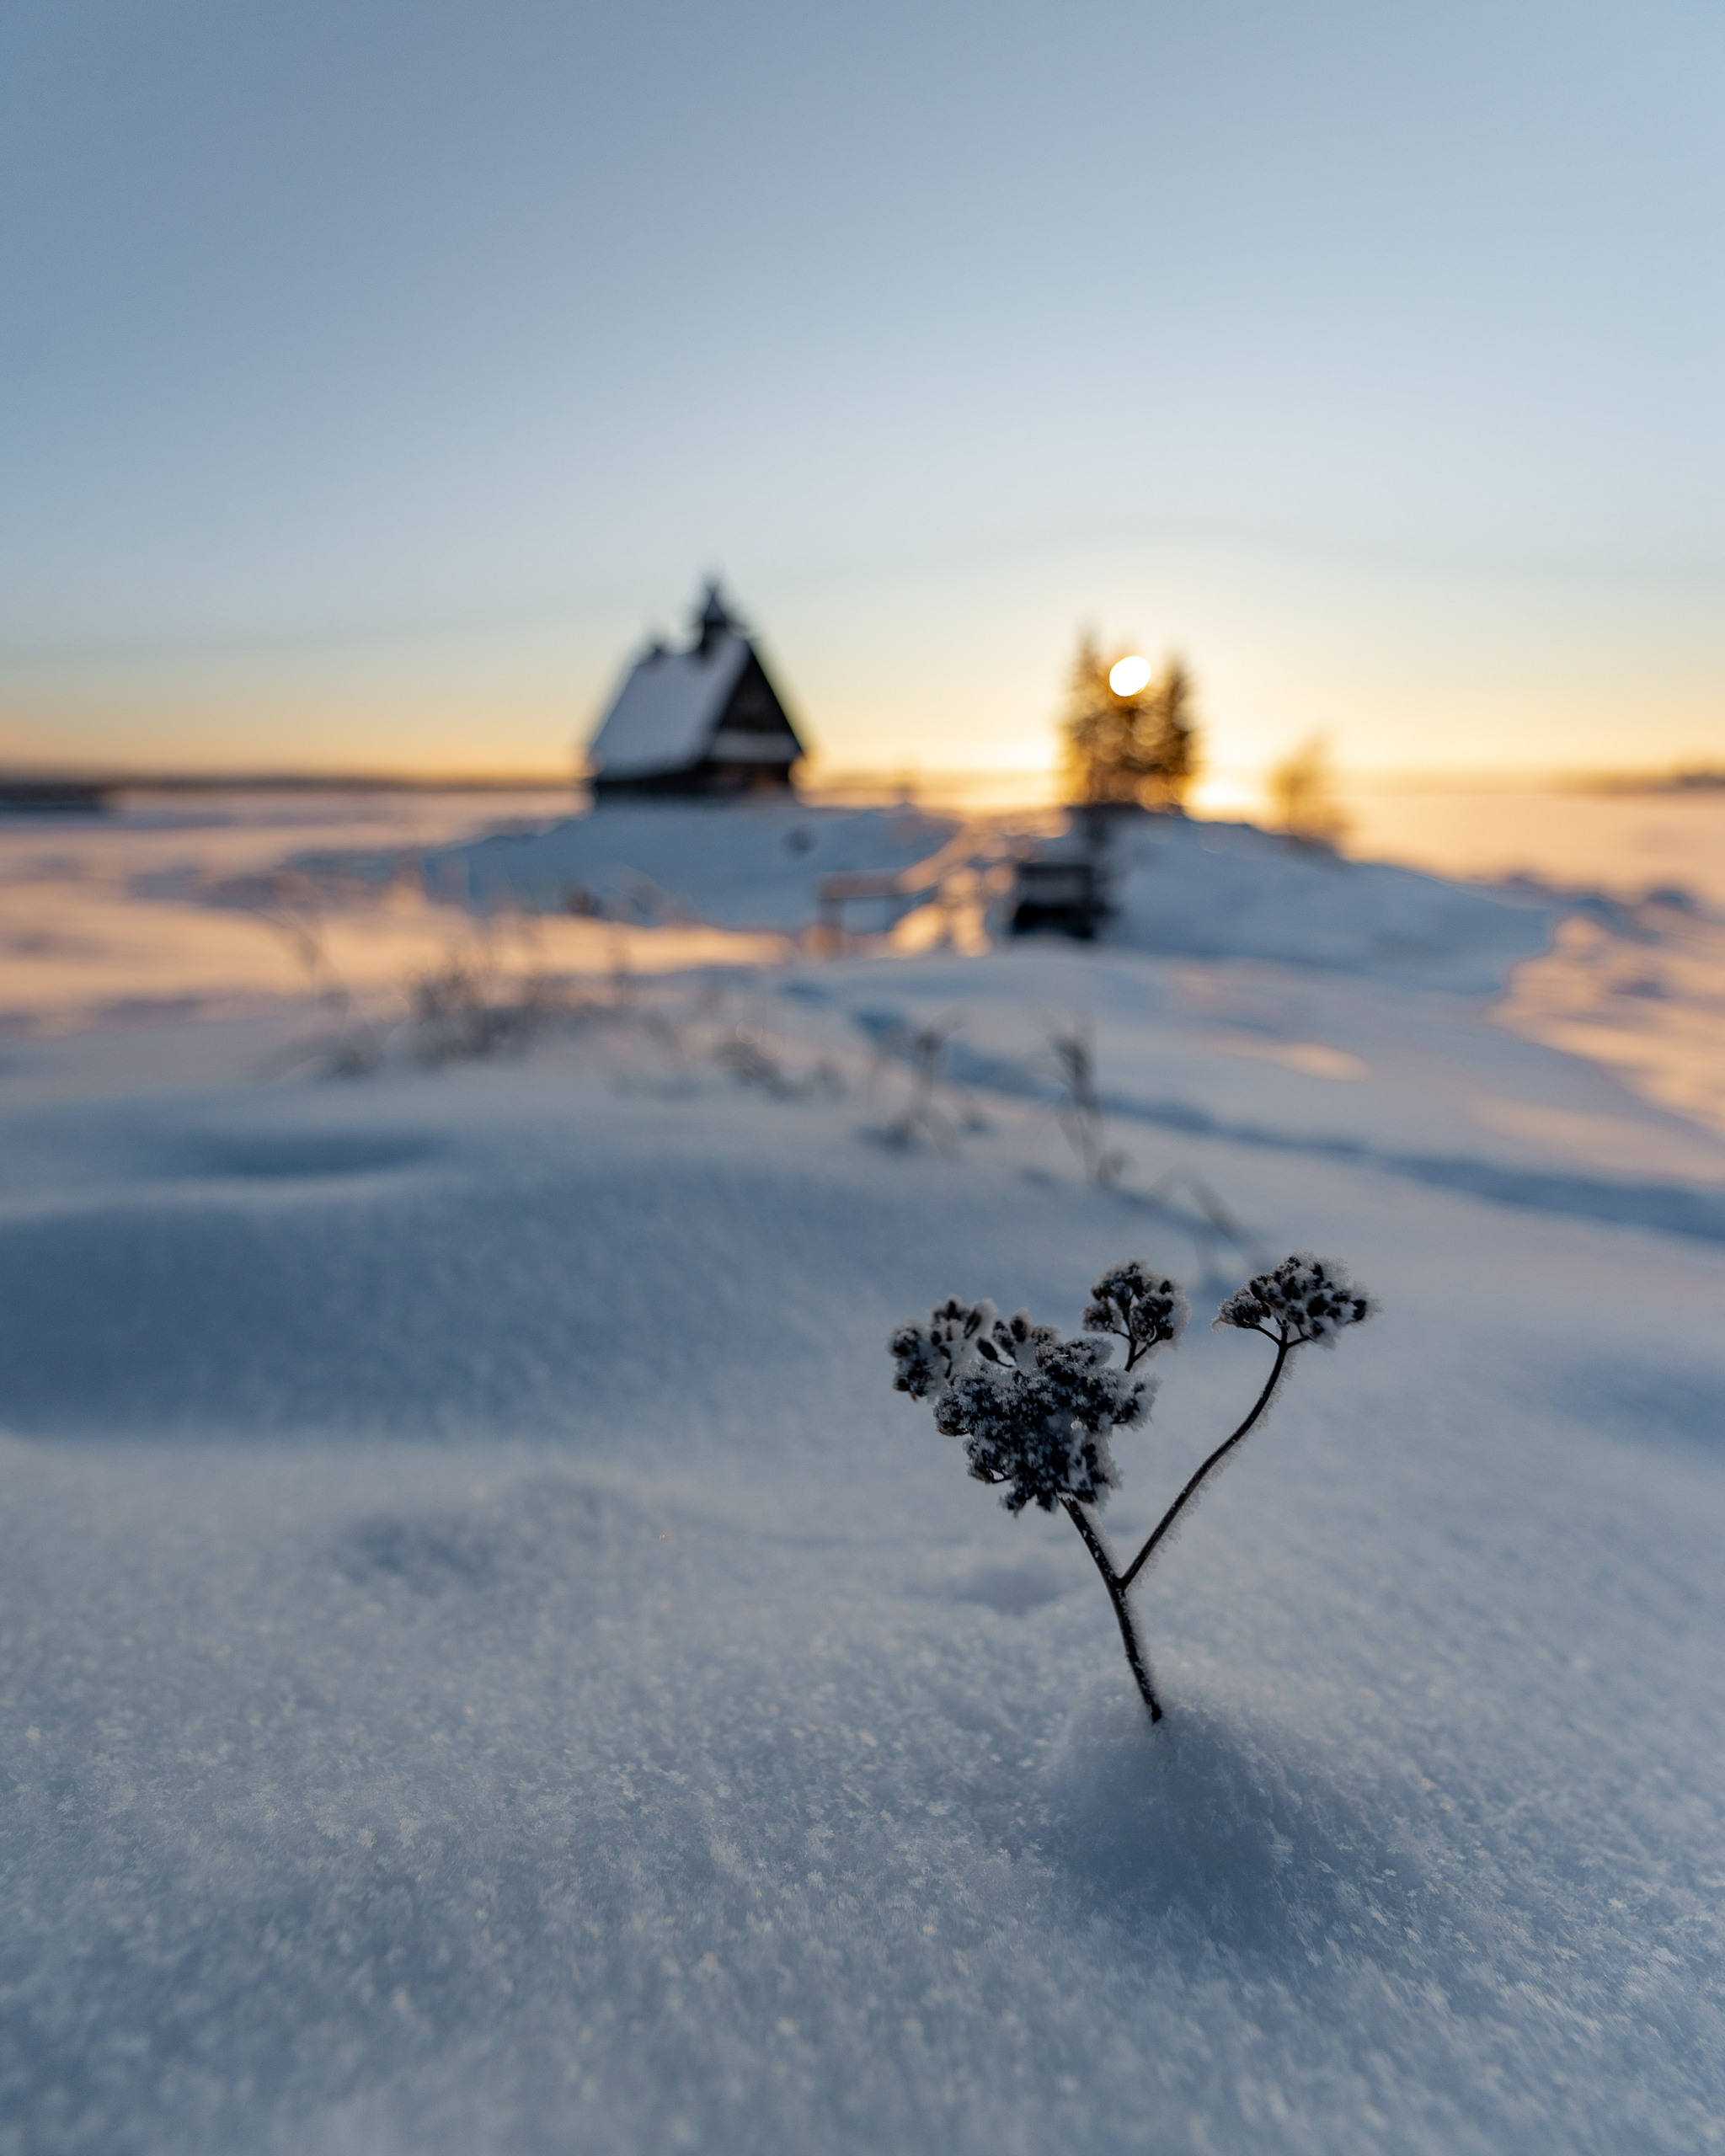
pixel 1123 1608
pixel 1284 1347
pixel 1117 1583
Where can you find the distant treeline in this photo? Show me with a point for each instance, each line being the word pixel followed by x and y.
pixel 49 793
pixel 1703 779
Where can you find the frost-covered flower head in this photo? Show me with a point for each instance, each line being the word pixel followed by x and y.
pixel 1015 1340
pixel 1304 1298
pixel 1044 1431
pixel 1140 1306
pixel 928 1358
pixel 1035 1410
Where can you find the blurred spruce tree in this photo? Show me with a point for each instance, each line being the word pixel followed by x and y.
pixel 1302 798
pixel 1141 748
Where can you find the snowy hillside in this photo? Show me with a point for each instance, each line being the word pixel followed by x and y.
pixel 1207 890
pixel 489 1662
pixel 751 867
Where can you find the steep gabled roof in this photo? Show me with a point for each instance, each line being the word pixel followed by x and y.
pixel 668 706
pixel 708 711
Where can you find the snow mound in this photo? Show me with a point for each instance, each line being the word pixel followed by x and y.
pixel 488 1663
pixel 1228 890
pixel 744 865
pixel 1181 888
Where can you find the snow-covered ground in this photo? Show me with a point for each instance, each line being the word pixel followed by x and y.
pixel 487 1662
pixel 1626 839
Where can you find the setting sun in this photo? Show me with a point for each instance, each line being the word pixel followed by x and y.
pixel 1127 676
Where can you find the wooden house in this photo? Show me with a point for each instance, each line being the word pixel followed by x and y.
pixel 703 722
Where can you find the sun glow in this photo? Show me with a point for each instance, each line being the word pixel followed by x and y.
pixel 1127 676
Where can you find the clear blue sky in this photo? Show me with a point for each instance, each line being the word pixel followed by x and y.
pixel 374 376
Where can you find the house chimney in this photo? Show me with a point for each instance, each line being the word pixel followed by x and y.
pixel 712 621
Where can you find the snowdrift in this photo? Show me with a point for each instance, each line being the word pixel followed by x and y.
pixel 747 866
pixel 487 1662
pixel 1228 890
pixel 1202 890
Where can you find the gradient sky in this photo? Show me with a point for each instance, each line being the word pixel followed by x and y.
pixel 372 378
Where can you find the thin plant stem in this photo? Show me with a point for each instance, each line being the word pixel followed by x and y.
pixel 1123 1609
pixel 1284 1347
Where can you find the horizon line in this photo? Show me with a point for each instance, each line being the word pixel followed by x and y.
pixel 818 779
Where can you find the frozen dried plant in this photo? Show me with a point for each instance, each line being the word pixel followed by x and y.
pixel 1079 1111
pixel 1206 1218
pixel 1079 1114
pixel 1037 1413
pixel 454 1015
pixel 919 1054
pixel 752 1058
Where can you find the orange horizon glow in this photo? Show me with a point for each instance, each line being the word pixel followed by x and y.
pixel 1218 788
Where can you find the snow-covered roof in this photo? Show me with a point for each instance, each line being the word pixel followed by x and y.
pixel 665 713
